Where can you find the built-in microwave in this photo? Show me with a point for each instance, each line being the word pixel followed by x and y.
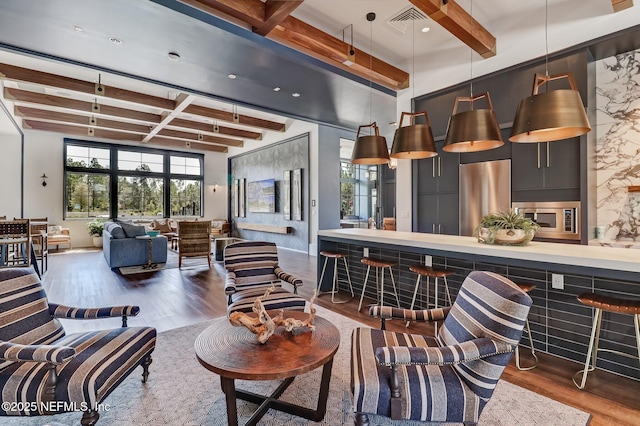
pixel 556 219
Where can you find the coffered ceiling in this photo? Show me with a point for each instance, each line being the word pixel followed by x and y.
pixel 159 71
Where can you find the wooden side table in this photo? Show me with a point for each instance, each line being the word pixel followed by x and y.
pixel 234 353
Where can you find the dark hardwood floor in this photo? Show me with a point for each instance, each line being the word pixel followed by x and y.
pixel 174 298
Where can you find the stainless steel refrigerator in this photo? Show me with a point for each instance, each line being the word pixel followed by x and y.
pixel 485 188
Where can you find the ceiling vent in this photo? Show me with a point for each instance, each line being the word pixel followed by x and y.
pixel 402 20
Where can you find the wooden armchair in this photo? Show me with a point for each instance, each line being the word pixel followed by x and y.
pixel 39 364
pixel 194 240
pixel 57 235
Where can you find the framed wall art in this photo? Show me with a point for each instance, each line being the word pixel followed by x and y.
pixel 296 194
pixel 286 195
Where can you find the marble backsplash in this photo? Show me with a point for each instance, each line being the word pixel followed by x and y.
pixel 618 145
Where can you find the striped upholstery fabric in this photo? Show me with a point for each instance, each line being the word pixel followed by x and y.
pixel 451 378
pixel 61 311
pixel 91 364
pixel 278 299
pixel 388 312
pixel 252 267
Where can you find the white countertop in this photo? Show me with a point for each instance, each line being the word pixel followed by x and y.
pixel 565 254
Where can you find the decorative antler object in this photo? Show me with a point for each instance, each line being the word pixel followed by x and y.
pixel 263 326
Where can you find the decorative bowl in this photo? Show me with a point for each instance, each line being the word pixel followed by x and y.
pixel 153 233
pixel 506 237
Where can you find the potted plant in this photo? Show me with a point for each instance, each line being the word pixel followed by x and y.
pixel 95 228
pixel 506 228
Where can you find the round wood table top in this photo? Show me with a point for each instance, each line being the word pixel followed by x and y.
pixel 234 352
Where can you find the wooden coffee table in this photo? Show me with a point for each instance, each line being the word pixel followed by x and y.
pixel 234 353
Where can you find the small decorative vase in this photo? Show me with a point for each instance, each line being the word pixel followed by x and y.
pixel 511 237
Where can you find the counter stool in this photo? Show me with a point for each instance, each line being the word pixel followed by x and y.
pixel 378 264
pixel 527 288
pixel 427 271
pixel 334 289
pixel 609 304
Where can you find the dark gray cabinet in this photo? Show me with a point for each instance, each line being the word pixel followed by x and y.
pixel 546 165
pixel 437 189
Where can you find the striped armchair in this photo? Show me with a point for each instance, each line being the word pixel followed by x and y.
pixel 42 371
pixel 445 379
pixel 252 267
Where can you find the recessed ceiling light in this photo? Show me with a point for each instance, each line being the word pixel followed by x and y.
pixel 276 89
pixel 425 29
pixel 173 56
pixel 115 40
pixel 295 95
pixel 78 29
pixel 232 76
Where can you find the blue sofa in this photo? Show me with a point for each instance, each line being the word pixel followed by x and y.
pixel 121 248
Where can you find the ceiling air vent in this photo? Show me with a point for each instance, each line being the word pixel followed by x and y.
pixel 402 20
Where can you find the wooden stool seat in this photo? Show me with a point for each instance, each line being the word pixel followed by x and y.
pixel 334 288
pixel 377 263
pixel 427 271
pixel 333 254
pixel 430 272
pixel 603 303
pixel 527 288
pixel 610 304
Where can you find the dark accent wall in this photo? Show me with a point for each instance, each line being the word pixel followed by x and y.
pixel 270 162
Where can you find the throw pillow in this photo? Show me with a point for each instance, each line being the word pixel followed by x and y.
pixel 132 231
pixel 161 225
pixel 54 230
pixel 115 230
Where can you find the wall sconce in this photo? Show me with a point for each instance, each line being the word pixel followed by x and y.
pixel 44 178
pixel 215 186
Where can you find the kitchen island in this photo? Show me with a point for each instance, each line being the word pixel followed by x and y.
pixel 559 323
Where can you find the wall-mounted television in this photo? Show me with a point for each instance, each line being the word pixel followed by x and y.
pixel 261 196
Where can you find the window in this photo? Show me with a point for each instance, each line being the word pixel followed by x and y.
pixel 358 186
pixel 104 180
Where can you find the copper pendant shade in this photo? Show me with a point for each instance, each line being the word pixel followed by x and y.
pixel 370 149
pixel 414 141
pixel 474 130
pixel 550 116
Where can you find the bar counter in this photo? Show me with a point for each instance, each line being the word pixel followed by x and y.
pixel 559 323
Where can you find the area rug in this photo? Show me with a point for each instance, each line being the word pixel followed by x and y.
pixel 181 392
pixel 172 262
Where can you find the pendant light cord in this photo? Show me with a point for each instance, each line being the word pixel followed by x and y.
pixel 370 72
pixel 546 37
pixel 471 55
pixel 413 66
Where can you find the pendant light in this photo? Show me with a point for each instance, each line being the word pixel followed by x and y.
pixel 476 129
pixel 552 115
pixel 370 149
pixel 414 141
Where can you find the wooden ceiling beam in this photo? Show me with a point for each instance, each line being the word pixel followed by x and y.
pixel 200 137
pixel 188 144
pixel 11 72
pixel 458 22
pixel 314 42
pixel 80 131
pixel 32 98
pixel 275 11
pixel 619 5
pixel 198 126
pixel 272 19
pixel 82 120
pixel 245 120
